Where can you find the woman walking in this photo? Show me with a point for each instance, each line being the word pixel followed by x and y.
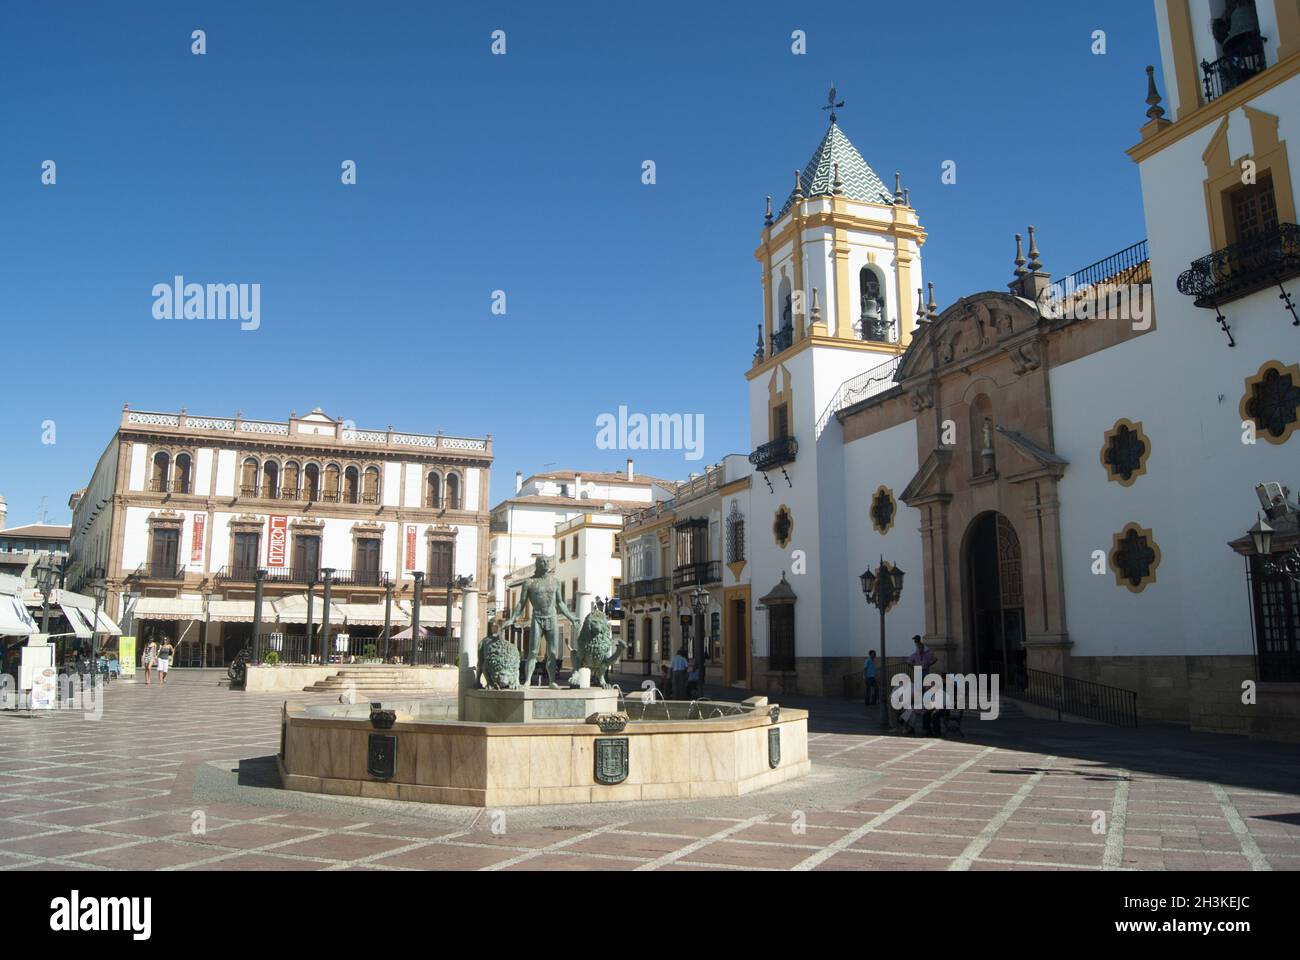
pixel 164 661
pixel 147 659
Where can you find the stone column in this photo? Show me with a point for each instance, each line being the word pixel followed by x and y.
pixel 469 639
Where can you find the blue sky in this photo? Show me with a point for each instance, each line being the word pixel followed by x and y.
pixel 519 173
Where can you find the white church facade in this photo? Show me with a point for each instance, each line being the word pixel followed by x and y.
pixel 1069 482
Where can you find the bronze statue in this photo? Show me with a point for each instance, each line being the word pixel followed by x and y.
pixel 542 590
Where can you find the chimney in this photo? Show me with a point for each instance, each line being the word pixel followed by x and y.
pixel 4 511
pixel 519 480
pixel 630 475
pixel 577 486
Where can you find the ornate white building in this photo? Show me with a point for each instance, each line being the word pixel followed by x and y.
pixel 1067 470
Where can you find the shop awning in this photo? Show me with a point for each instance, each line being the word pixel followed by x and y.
pixel 293 609
pixel 80 624
pixel 431 614
pixel 14 618
pixel 372 614
pixel 238 611
pixel 87 616
pixel 168 608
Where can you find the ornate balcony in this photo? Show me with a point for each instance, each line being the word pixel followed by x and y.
pixel 159 571
pixel 782 340
pixel 169 486
pixel 697 574
pixel 1228 72
pixel 776 454
pixel 1243 268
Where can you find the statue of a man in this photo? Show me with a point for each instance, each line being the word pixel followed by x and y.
pixel 543 591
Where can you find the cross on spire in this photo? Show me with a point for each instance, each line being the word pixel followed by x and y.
pixel 831 103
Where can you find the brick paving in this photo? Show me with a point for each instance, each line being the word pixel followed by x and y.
pixel 177 778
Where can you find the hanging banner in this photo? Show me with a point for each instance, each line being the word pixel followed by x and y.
pixel 410 548
pixel 275 542
pixel 196 549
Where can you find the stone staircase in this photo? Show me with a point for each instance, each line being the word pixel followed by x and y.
pixel 368 680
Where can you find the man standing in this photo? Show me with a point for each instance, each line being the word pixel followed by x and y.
pixel 680 666
pixel 922 657
pixel 869 675
pixel 542 590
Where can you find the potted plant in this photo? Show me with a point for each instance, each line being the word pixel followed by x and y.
pixel 271 659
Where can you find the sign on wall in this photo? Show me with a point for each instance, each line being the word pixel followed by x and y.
pixel 196 550
pixel 410 547
pixel 275 543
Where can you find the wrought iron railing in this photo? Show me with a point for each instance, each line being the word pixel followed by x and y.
pixel 169 486
pixel 877 380
pixel 160 571
pixel 697 574
pixel 778 453
pixel 287 647
pixel 640 589
pixel 1228 72
pixel 1243 268
pixel 1130 265
pixel 1080 698
pixel 783 339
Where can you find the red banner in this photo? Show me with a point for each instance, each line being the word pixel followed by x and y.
pixel 410 548
pixel 275 543
pixel 196 548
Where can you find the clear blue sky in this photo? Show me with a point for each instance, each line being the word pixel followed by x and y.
pixel 518 172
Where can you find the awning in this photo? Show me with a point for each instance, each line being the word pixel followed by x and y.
pixel 433 614
pixel 14 619
pixel 168 608
pixel 238 611
pixel 80 624
pixel 293 609
pixel 87 615
pixel 372 614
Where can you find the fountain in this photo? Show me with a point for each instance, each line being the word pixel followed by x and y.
pixel 502 744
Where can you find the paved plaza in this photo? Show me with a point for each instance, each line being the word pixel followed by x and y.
pixel 183 778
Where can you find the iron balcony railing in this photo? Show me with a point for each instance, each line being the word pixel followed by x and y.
pixel 1228 72
pixel 452 503
pixel 160 571
pixel 169 486
pixel 1080 698
pixel 640 589
pixel 305 576
pixel 783 339
pixel 1130 265
pixel 775 454
pixel 1243 268
pixel 697 574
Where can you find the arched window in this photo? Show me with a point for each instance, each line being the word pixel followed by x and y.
pixel 351 485
pixel 311 483
pixel 453 491
pixel 332 482
pixel 370 486
pixel 181 473
pixel 270 479
pixel 873 324
pixel 162 463
pixel 433 491
pixel 289 481
pixel 248 478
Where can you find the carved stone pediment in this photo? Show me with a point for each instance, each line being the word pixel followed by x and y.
pixel 931 481
pixel 972 328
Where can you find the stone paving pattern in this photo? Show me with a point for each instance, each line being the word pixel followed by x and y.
pixel 122 792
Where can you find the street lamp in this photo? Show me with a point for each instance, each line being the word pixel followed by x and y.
pixel 1287 565
pixel 883 587
pixel 700 604
pixel 99 590
pixel 45 574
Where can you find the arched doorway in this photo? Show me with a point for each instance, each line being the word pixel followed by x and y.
pixel 995 601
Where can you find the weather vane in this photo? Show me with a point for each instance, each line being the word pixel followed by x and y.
pixel 831 104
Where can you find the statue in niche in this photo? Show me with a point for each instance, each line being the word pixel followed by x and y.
pixel 986 454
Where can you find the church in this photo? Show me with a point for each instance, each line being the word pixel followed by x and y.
pixel 1084 477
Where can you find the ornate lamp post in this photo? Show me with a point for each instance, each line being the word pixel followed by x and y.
pixel 418 576
pixel 883 587
pixel 700 604
pixel 45 574
pixel 327 581
pixel 99 590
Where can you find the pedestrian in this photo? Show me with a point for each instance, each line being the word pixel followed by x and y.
pixel 922 657
pixel 164 660
pixel 693 686
pixel 869 676
pixel 679 668
pixel 665 682
pixel 147 659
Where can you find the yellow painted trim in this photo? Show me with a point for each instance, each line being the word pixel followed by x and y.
pixel 734 487
pixel 903 281
pixel 886 350
pixel 1186 75
pixel 1252 382
pixel 843 221
pixel 843 312
pixel 1141 471
pixel 779 394
pixel 1120 579
pixel 1234 99
pixel 1270 156
pixel 1288 27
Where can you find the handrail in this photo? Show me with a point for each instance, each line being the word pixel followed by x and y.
pixel 1081 698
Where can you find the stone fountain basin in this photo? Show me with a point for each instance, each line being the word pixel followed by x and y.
pixel 668 751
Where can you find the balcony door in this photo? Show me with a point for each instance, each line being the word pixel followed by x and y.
pixel 367 563
pixel 306 557
pixel 247 546
pixel 166 552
